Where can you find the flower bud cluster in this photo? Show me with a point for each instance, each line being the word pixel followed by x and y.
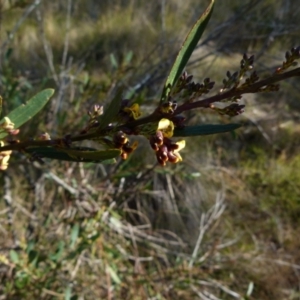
pixel 94 113
pixel 290 59
pixel 250 80
pixel 201 88
pixel 246 64
pixel 168 107
pixel 97 110
pixel 121 142
pixel 270 88
pixel 232 81
pixel 232 110
pixel 191 89
pixel 166 150
pixel 182 83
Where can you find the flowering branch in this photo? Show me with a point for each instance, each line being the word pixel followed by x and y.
pixel 111 126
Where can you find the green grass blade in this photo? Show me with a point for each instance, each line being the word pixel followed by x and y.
pixel 26 111
pixel 205 129
pixel 186 50
pixel 80 154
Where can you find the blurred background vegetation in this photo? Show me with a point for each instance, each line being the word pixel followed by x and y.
pixel 223 224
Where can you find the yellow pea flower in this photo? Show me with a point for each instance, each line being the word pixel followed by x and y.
pixel 133 111
pixel 166 127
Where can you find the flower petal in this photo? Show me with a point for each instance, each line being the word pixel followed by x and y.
pixel 166 127
pixel 181 145
pixel 133 110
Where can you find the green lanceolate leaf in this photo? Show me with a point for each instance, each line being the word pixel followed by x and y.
pixel 80 154
pixel 205 129
pixel 26 111
pixel 111 111
pixel 186 50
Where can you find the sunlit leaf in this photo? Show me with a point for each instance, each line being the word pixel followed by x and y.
pixel 186 50
pixel 205 129
pixel 26 111
pixel 79 154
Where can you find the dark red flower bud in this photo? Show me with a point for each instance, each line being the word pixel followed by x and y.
pixel 172 157
pixel 124 155
pixel 153 144
pixel 172 147
pixel 126 148
pixel 163 152
pixel 161 161
pixel 120 138
pixel 159 138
